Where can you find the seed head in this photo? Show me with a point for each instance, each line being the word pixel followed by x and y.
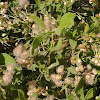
pixel 58 83
pixel 18 50
pixel 60 69
pixel 89 67
pixel 69 80
pixel 94 71
pixel 7 77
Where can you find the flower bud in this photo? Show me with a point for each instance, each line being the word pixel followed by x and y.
pixel 96 62
pixel 89 67
pixel 79 61
pixel 18 50
pixel 58 83
pixel 7 77
pixel 81 68
pixel 69 80
pixel 58 77
pixel 94 71
pixel 60 69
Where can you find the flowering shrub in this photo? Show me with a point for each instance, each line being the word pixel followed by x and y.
pixel 50 50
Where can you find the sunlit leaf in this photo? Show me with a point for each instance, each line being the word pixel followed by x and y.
pixel 79 90
pixel 8 59
pixel 58 31
pixel 91 93
pixel 71 97
pixel 58 46
pixel 37 40
pixel 38 21
pixel 86 28
pixel 67 20
pixel 73 43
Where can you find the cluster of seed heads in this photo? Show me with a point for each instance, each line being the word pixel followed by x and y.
pixel 3 7
pixel 73 60
pixel 31 90
pixel 50 24
pixel 23 3
pixel 88 72
pixel 8 74
pixel 22 56
pixel 69 80
pixel 56 78
pixel 96 60
pixel 83 47
pixel 36 29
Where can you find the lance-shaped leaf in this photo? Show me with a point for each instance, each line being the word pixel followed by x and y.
pixel 38 21
pixel 58 46
pixel 91 93
pixel 38 39
pixel 79 90
pixel 72 43
pixel 8 59
pixel 67 20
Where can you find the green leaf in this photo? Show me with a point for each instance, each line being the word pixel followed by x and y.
pixel 38 21
pixel 74 32
pixel 72 43
pixel 58 46
pixel 38 39
pixel 58 31
pixel 71 97
pixel 49 1
pixel 91 93
pixel 86 28
pixel 92 35
pixel 8 59
pixel 79 90
pixel 21 95
pixel 38 2
pixel 53 65
pixel 72 70
pixel 67 20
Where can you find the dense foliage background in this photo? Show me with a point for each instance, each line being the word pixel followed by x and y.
pixel 49 49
